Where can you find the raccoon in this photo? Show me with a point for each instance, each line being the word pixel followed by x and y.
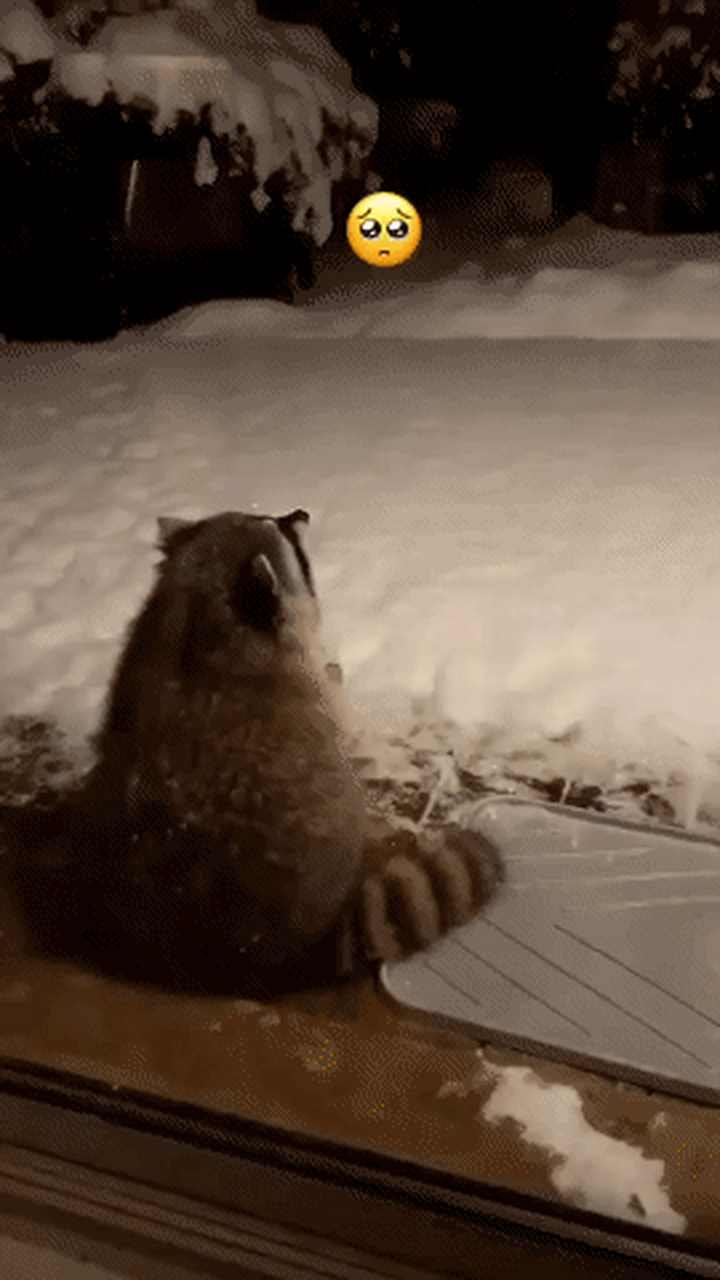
pixel 223 816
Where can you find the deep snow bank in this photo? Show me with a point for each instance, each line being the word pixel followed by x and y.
pixel 519 535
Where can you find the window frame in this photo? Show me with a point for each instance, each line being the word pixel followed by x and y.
pixel 220 1196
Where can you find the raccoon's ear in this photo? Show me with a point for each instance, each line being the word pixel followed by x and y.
pixel 169 526
pixel 264 574
pixel 257 594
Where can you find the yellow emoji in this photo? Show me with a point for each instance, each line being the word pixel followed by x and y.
pixel 383 229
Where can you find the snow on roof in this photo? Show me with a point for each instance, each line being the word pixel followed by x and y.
pixel 282 84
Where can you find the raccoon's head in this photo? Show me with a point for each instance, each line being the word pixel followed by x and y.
pixel 236 575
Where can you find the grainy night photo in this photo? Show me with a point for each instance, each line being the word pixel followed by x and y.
pixel 359 617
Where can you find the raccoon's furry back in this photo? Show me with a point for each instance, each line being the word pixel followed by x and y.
pixel 219 722
pixel 223 817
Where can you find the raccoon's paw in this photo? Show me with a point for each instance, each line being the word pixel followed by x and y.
pixel 429 884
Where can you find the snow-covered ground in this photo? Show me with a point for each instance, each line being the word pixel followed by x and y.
pixel 514 524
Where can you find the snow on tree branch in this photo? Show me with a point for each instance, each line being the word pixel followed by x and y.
pixel 285 86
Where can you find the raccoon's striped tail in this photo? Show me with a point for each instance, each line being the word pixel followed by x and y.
pixel 421 887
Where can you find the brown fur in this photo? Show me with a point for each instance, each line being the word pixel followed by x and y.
pixel 223 818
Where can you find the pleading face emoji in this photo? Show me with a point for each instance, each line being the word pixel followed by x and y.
pixel 383 229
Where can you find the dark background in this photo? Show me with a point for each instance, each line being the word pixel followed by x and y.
pixel 509 118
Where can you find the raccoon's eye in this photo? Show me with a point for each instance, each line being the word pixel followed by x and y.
pixel 370 229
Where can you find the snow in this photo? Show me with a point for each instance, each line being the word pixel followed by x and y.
pixel 273 80
pixel 681 303
pixel 596 1171
pixel 23 33
pixel 511 527
pixel 589 1168
pixel 285 85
